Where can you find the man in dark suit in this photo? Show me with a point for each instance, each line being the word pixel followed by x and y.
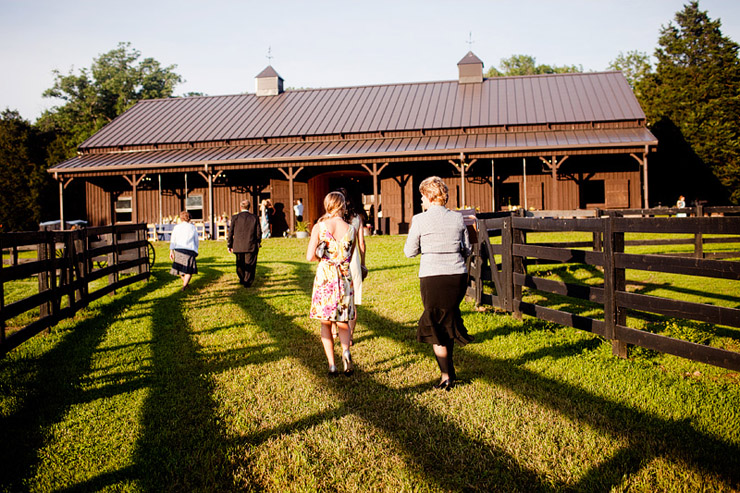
pixel 244 240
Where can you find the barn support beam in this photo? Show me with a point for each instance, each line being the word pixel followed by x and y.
pixel 462 168
pixel 493 186
pixel 375 172
pixel 209 176
pixel 643 162
pixel 62 185
pixel 134 182
pixel 291 175
pixel 553 165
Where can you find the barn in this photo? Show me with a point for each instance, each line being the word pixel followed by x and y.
pixel 558 141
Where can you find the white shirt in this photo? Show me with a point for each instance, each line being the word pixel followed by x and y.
pixel 184 237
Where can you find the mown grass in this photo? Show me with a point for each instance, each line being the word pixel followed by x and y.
pixel 222 388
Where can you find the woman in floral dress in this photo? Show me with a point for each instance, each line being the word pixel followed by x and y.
pixel 333 294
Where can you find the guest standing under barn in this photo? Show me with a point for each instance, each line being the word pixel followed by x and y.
pixel 440 236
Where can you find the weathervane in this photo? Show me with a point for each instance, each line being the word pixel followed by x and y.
pixel 269 55
pixel 470 41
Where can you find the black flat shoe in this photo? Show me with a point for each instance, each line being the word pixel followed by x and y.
pixel 333 372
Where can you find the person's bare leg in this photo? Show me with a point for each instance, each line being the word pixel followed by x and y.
pixel 440 352
pixel 352 324
pixel 344 338
pixel 328 342
pixel 186 280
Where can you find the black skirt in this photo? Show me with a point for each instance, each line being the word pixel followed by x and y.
pixel 184 262
pixel 441 323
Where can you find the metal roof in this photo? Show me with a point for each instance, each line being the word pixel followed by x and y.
pixel 500 101
pixel 423 147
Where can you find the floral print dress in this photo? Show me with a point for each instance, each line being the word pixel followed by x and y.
pixel 333 293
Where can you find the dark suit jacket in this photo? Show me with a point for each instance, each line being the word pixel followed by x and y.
pixel 245 234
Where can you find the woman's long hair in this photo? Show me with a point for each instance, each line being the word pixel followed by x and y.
pixel 334 204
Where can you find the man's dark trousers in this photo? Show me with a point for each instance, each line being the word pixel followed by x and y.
pixel 246 265
pixel 244 239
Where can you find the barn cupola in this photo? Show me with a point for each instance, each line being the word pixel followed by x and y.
pixel 471 69
pixel 268 82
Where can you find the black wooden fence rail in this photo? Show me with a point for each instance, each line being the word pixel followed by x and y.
pixel 66 264
pixel 606 252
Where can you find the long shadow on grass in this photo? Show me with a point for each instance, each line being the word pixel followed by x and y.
pixel 182 447
pixel 54 387
pixel 425 437
pixel 647 436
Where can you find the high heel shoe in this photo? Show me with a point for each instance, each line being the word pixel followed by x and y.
pixel 347 362
pixel 333 371
pixel 445 385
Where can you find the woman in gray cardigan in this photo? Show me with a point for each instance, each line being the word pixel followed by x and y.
pixel 440 236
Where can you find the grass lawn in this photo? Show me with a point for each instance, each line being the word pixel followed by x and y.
pixel 221 388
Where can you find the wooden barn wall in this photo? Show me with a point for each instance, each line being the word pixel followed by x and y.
pixel 318 187
pixel 280 194
pixel 477 192
pixel 97 205
pixel 399 190
pixel 397 203
pixel 539 189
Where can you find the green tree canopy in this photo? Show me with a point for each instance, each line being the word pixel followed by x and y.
pixel 95 96
pixel 634 65
pixel 527 65
pixel 22 173
pixel 696 86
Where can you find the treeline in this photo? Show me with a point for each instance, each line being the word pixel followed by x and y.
pixel 691 97
pixel 90 99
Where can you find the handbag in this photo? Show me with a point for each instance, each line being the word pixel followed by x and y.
pixel 320 249
pixel 364 271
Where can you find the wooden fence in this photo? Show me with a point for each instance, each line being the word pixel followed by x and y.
pixel 65 265
pixel 606 251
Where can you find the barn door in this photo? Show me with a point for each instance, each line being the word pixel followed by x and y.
pixel 535 195
pixel 617 193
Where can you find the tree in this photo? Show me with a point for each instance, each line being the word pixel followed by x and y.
pixel 23 184
pixel 634 65
pixel 696 87
pixel 526 65
pixel 95 96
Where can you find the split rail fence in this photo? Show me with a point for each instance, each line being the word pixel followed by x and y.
pixel 503 265
pixel 65 265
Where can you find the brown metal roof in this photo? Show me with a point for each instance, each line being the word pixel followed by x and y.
pixel 527 100
pixel 421 147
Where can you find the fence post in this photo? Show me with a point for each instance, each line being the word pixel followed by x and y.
pixel 42 254
pixel 507 275
pixel 113 258
pixel 614 281
pixel 699 237
pixel 517 266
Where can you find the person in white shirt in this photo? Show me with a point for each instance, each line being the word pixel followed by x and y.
pixel 298 210
pixel 184 249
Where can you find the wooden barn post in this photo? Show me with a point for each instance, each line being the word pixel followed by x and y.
pixel 375 172
pixel 290 175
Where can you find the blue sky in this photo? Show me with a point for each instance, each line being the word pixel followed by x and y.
pixel 219 46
